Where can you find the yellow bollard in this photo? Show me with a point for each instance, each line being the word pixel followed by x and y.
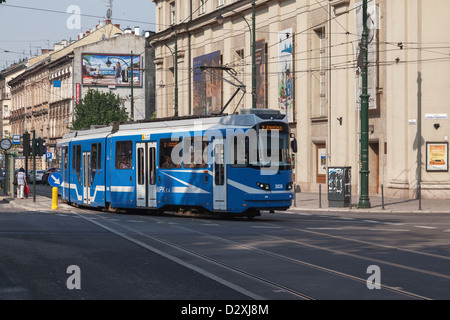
pixel 55 198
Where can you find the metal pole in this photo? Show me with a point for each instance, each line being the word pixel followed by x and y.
pixel 34 166
pixel 364 201
pixel 320 195
pixel 382 197
pixel 132 84
pixel 420 196
pixel 253 56
pixel 176 75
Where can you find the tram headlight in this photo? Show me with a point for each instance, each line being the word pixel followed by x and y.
pixel 289 186
pixel 264 186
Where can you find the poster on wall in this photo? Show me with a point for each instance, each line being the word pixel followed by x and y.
pixel 110 70
pixel 260 63
pixel 285 74
pixel 207 84
pixel 437 156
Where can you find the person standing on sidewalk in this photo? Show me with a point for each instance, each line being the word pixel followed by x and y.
pixel 21 183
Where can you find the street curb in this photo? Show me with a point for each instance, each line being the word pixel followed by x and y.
pixel 356 211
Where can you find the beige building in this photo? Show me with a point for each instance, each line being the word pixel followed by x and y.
pixel 308 66
pixel 36 103
pixel 5 96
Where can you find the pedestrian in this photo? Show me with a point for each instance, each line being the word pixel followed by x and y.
pixel 21 183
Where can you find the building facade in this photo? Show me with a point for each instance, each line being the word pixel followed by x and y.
pixel 5 96
pixel 45 94
pixel 308 65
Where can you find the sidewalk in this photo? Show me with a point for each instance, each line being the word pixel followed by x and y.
pixel 310 202
pixel 42 203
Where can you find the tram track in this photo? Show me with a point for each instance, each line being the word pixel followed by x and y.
pixel 267 282
pixel 260 279
pixel 323 269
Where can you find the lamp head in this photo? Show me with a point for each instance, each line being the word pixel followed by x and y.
pixel 219 18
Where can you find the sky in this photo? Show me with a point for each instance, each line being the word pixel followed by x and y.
pixel 31 25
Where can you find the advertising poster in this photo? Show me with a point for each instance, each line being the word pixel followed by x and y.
pixel 437 156
pixel 285 74
pixel 110 69
pixel 207 84
pixel 260 62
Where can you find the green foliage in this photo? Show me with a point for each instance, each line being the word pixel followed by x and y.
pixel 99 108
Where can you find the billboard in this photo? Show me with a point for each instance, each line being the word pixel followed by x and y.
pixel 260 62
pixel 285 74
pixel 207 84
pixel 110 69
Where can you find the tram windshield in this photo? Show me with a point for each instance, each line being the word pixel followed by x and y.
pixel 266 147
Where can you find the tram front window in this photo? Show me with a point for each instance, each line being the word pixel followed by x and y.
pixel 272 150
pixel 266 147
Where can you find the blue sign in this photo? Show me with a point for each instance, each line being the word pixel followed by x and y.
pixel 55 179
pixel 16 139
pixel 57 83
pixel 49 155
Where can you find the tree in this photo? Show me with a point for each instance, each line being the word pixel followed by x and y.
pixel 99 108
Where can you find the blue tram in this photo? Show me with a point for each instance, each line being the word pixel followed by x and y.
pixel 231 164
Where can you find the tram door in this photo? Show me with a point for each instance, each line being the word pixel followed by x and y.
pixel 86 177
pixel 146 174
pixel 219 176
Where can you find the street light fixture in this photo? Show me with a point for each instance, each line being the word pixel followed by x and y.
pixel 109 63
pixel 252 30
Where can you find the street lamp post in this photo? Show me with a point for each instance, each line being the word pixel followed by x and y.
pixel 364 201
pixel 253 56
pixel 252 29
pixel 108 63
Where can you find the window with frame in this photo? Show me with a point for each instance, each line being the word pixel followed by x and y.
pixel 194 153
pixel 124 154
pixel 170 153
pixel 96 158
pixel 220 3
pixel 76 161
pixel 172 13
pixel 202 6
pixel 65 157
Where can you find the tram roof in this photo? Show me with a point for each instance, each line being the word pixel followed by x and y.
pixel 248 118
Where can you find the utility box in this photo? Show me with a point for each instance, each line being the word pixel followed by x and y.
pixel 339 187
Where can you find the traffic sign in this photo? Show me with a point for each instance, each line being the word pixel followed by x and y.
pixel 49 155
pixel 55 179
pixel 16 139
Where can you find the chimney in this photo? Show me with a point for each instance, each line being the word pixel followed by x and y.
pixel 137 31
pixel 108 21
pixel 128 31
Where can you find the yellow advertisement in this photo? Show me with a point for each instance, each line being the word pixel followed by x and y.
pixel 437 156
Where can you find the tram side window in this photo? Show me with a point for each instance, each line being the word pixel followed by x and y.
pixel 240 149
pixel 194 153
pixel 99 152
pixel 170 153
pixel 219 170
pixel 94 155
pixel 66 157
pixel 124 154
pixel 77 162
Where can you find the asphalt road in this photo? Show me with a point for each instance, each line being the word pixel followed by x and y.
pixel 281 256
